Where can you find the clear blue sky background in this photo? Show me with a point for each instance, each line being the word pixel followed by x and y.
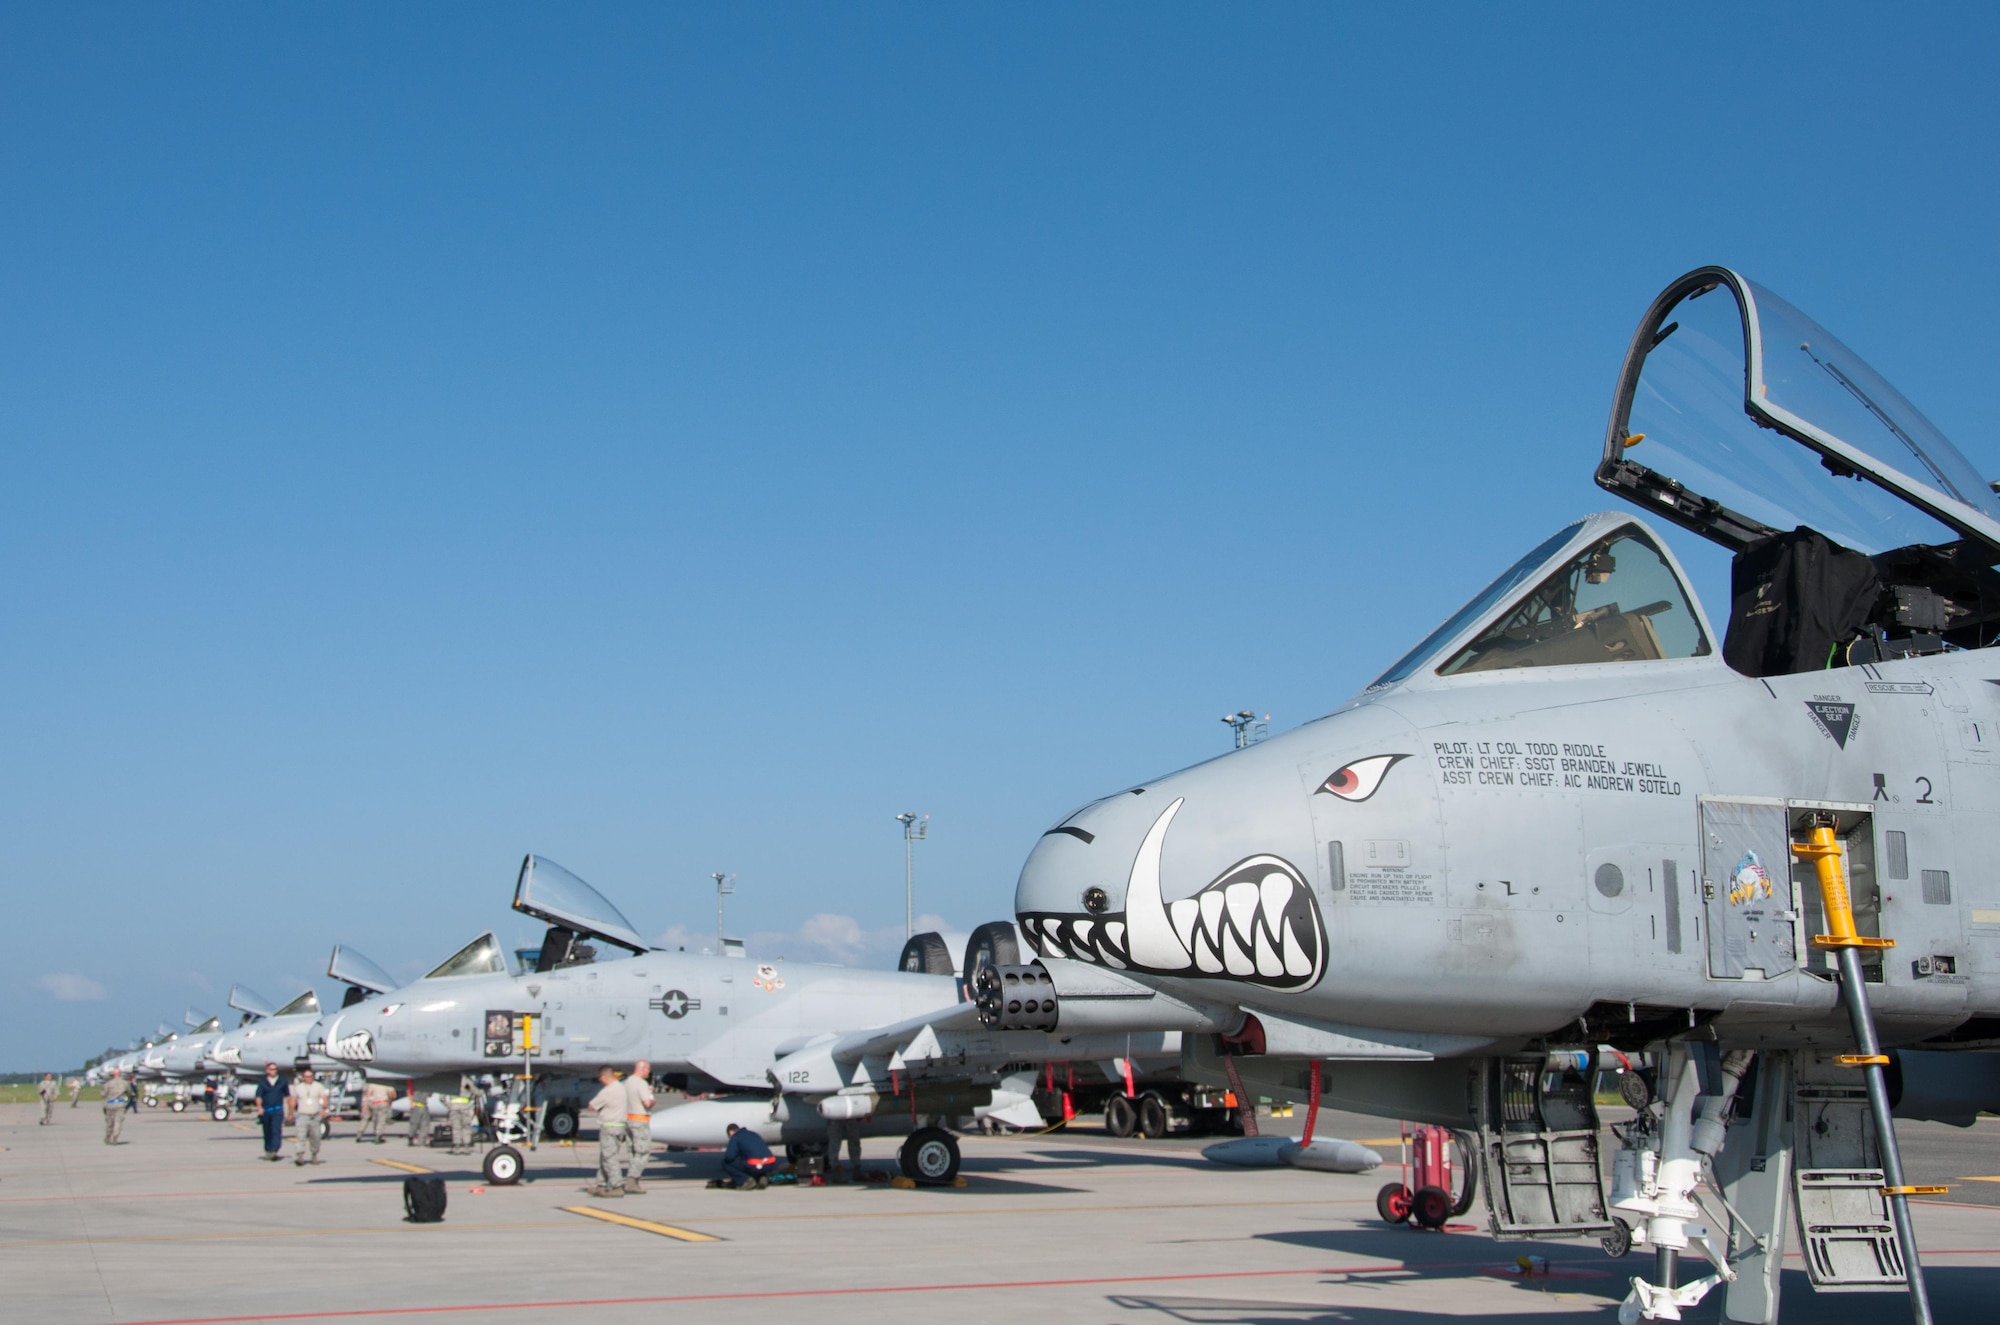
pixel 675 440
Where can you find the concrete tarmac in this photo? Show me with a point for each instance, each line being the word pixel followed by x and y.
pixel 184 1223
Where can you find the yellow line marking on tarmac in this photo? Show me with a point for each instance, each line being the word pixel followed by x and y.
pixel 1380 1141
pixel 399 1227
pixel 399 1164
pixel 644 1225
pixel 245 1127
pixel 1995 1179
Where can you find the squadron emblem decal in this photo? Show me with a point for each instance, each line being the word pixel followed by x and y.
pixel 1257 922
pixel 674 1004
pixel 1359 780
pixel 768 978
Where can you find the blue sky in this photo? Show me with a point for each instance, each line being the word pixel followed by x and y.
pixel 678 439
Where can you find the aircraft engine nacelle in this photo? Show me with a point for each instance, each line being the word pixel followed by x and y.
pixel 1081 997
pixel 1950 1088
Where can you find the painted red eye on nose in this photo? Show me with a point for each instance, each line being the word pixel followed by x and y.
pixel 1357 781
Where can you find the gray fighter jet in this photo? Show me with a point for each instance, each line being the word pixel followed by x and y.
pixel 1581 812
pixel 788 1047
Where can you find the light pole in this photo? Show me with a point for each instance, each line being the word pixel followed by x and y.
pixel 725 884
pixel 1246 727
pixel 914 831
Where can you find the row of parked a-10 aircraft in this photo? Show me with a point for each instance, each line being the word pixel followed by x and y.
pixel 1575 819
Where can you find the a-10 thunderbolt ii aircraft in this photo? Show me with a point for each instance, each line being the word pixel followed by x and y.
pixel 1578 813
pixel 787 1045
pixel 289 1035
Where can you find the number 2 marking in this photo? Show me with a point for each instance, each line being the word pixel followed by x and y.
pixel 1925 799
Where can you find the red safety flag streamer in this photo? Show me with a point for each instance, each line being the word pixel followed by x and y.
pixel 1312 1106
pixel 1126 1063
pixel 1246 1108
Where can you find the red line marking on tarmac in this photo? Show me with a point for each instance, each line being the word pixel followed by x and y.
pixel 155 1196
pixel 765 1296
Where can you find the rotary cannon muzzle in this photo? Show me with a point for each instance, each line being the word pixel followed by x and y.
pixel 1015 998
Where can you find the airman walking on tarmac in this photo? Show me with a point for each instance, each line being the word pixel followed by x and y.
pixel 307 1106
pixel 116 1090
pixel 48 1089
pixel 75 1090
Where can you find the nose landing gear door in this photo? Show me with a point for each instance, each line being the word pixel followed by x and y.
pixel 1749 905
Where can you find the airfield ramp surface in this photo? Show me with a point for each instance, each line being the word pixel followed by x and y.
pixel 185 1224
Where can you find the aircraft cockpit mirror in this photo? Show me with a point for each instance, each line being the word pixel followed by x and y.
pixel 482 956
pixel 549 892
pixel 247 1000
pixel 306 1002
pixel 1739 417
pixel 351 968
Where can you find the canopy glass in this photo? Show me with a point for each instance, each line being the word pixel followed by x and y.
pixel 549 892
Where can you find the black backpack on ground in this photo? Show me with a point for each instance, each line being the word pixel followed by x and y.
pixel 1794 599
pixel 423 1198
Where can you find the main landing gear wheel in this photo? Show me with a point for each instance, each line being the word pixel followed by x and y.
pixel 1393 1203
pixel 503 1166
pixel 1152 1116
pixel 178 1106
pixel 930 1157
pixel 1468 1154
pixel 1430 1207
pixel 152 1102
pixel 1120 1118
pixel 220 1113
pixel 561 1124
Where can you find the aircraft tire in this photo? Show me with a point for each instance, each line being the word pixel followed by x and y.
pixel 178 1106
pixel 930 1157
pixel 1393 1203
pixel 1618 1242
pixel 502 1166
pixel 1153 1116
pixel 220 1113
pixel 1468 1150
pixel 1430 1207
pixel 1120 1118
pixel 561 1124
pixel 152 1102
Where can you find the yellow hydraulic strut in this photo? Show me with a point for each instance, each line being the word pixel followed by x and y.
pixel 1822 847
pixel 1823 850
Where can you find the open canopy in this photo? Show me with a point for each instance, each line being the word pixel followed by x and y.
pixel 549 892
pixel 351 968
pixel 1738 416
pixel 245 999
pixel 306 1002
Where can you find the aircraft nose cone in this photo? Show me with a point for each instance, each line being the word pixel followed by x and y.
pixel 1193 876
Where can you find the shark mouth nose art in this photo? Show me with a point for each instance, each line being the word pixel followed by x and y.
pixel 1257 922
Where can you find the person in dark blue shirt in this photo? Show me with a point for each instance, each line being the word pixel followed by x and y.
pixel 272 1092
pixel 747 1160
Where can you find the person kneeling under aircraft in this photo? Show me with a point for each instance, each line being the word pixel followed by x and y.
pixel 746 1160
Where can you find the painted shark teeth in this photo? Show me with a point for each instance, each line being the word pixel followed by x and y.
pixel 1257 922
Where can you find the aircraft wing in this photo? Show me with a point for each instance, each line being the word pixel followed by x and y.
pixel 893 1040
